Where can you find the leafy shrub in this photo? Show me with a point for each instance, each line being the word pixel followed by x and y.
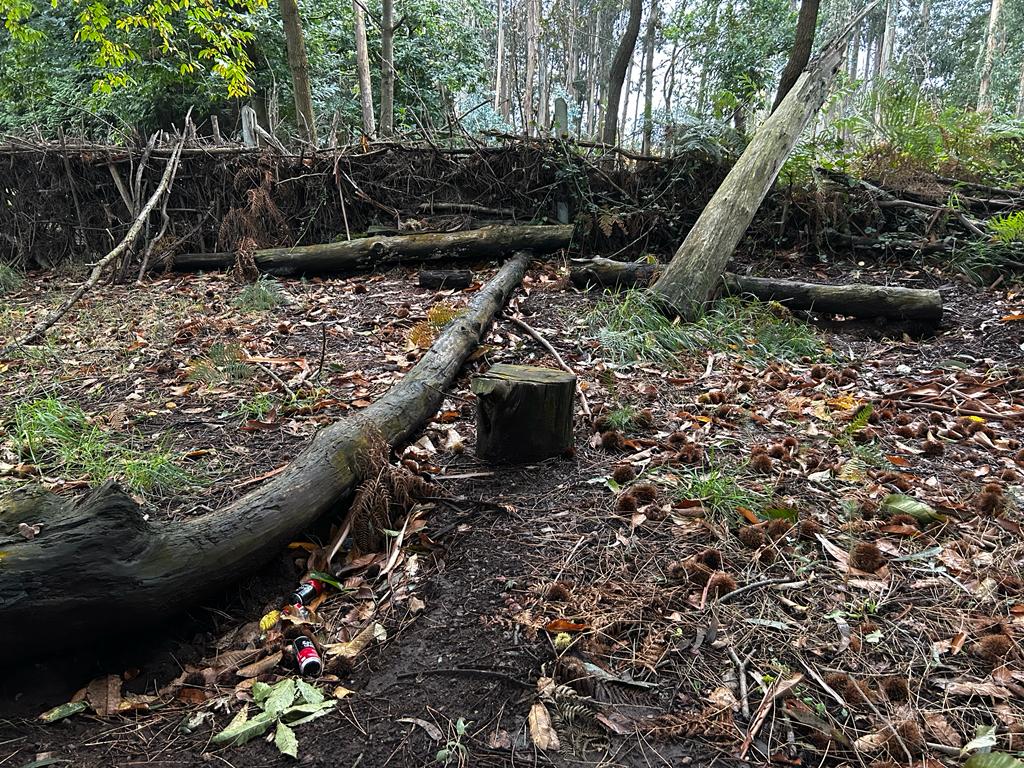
pixel 10 279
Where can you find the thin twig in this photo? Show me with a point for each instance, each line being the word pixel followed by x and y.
pixel 270 372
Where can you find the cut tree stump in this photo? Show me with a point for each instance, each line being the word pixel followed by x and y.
pixel 852 299
pixel 445 278
pixel 368 253
pixel 524 413
pixel 100 566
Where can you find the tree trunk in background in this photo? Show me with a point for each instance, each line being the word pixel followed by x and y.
pixel 892 12
pixel 543 91
pixel 363 65
pixel 298 64
pixel 499 58
pixel 387 68
pixel 652 28
pixel 617 73
pixel 626 88
pixel 532 39
pixel 692 277
pixel 1020 94
pixel 806 24
pixel 991 42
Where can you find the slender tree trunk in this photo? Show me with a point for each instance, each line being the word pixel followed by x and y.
pixel 543 90
pixel 298 64
pixel 363 65
pixel 532 39
pixel 617 73
pixel 806 24
pixel 387 68
pixel 627 87
pixel 991 43
pixel 1020 94
pixel 892 10
pixel 652 28
pixel 499 58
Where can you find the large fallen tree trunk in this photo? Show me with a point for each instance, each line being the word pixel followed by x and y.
pixel 99 566
pixel 855 299
pixel 691 279
pixel 367 253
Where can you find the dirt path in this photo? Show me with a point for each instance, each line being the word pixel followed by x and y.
pixel 745 594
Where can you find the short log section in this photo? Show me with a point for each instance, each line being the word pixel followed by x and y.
pixel 524 413
pixel 445 279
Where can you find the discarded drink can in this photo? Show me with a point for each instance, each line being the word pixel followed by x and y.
pixel 307 656
pixel 306 593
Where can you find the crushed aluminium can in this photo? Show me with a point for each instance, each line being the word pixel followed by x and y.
pixel 306 593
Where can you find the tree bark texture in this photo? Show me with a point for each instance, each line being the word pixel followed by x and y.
pixel 692 277
pixel 363 65
pixel 649 40
pixel 524 413
pixel 988 59
pixel 387 69
pixel 368 253
pixel 617 73
pixel 806 24
pixel 298 64
pixel 854 299
pixel 99 566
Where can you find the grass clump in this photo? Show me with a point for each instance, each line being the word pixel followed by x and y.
pixel 718 491
pixel 631 328
pixel 260 296
pixel 10 279
pixel 61 438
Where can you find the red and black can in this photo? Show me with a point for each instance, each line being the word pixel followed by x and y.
pixel 307 656
pixel 306 593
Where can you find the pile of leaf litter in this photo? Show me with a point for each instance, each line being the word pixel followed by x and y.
pixel 799 545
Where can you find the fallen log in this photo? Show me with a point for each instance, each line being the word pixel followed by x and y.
pixel 854 299
pixel 445 278
pixel 99 566
pixel 368 253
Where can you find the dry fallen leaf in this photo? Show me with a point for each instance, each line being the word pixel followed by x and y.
pixel 541 731
pixel 258 668
pixel 104 695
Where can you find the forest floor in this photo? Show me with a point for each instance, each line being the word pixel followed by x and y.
pixel 764 589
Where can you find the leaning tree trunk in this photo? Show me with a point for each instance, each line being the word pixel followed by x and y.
pixel 617 73
pixel 99 566
pixel 368 253
pixel 691 279
pixel 800 54
pixel 854 299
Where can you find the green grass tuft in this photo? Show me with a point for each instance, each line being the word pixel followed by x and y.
pixel 260 296
pixel 61 439
pixel 221 363
pixel 631 328
pixel 719 491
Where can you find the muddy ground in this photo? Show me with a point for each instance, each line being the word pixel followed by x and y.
pixel 746 595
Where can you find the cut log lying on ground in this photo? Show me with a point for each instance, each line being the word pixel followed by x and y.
pixel 692 277
pixel 99 566
pixel 445 278
pixel 855 299
pixel 368 253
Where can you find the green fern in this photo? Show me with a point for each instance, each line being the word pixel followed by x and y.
pixel 1008 228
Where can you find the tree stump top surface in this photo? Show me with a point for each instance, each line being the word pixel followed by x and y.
pixel 529 374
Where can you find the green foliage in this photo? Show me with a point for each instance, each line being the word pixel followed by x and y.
pixel 283 706
pixel 454 749
pixel 61 438
pixel 261 295
pixel 631 328
pixel 257 407
pixel 11 279
pixel 622 419
pixel 1008 228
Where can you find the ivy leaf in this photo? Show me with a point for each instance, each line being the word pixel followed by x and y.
pixel 285 740
pixel 898 504
pixel 309 693
pixel 993 760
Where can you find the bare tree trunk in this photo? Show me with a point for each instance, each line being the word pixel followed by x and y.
pixel 298 64
pixel 363 65
pixel 991 43
pixel 626 89
pixel 806 24
pixel 691 278
pixel 499 58
pixel 892 11
pixel 1020 94
pixel 623 58
pixel 544 91
pixel 652 28
pixel 532 38
pixel 387 68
